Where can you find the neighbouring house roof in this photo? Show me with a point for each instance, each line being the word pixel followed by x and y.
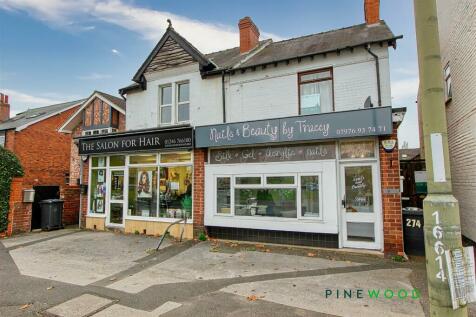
pixel 32 116
pixel 115 102
pixel 409 154
pixel 269 52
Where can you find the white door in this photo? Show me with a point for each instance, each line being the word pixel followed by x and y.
pixel 360 205
pixel 115 208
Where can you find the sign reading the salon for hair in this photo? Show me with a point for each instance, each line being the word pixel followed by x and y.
pixel 137 141
pixel 263 154
pixel 334 125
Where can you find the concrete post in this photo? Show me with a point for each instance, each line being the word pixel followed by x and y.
pixel 441 211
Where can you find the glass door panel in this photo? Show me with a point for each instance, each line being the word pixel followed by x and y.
pixel 359 205
pixel 359 195
pixel 116 199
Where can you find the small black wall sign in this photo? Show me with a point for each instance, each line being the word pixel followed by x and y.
pixel 137 141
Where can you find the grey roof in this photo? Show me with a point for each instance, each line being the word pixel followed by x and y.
pixel 232 56
pixel 121 103
pixel 322 43
pixel 303 46
pixel 32 115
pixel 269 52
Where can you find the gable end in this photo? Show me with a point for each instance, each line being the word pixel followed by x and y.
pixel 170 55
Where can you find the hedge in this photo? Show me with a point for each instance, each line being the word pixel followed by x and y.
pixel 9 167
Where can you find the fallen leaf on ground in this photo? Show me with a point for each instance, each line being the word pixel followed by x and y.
pixel 252 298
pixel 25 306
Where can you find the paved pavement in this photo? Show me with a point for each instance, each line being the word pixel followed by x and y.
pixel 83 273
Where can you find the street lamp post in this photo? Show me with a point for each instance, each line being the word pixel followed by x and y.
pixel 440 208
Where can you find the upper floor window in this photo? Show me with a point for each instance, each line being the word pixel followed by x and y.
pixel 448 91
pixel 316 91
pixel 175 103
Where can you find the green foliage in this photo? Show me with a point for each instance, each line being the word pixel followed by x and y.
pixel 9 167
pixel 398 258
pixel 202 236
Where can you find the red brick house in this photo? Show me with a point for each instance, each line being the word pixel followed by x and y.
pixel 100 114
pixel 45 155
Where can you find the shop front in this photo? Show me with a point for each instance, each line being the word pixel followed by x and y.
pixel 140 181
pixel 308 180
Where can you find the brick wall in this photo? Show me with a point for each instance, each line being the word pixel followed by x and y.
pixel 45 156
pixel 456 19
pixel 19 215
pixel 391 198
pixel 199 156
pixel 84 197
pixel 71 205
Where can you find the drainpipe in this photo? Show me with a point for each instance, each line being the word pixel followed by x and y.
pixel 223 95
pixel 377 67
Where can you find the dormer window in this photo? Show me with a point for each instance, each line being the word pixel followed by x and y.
pixel 174 103
pixel 316 91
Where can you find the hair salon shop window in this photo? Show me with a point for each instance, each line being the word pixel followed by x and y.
pixel 153 185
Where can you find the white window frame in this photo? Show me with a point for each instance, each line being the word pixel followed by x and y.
pixel 299 195
pixel 171 105
pixel 107 168
pixel 232 195
pixel 376 150
pixel 106 171
pixel 175 103
pixel 296 185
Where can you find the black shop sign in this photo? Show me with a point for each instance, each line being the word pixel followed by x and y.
pixel 137 141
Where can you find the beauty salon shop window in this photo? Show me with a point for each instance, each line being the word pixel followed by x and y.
pixel 284 196
pixel 316 91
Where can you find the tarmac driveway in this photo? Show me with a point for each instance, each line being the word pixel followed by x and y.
pixel 84 273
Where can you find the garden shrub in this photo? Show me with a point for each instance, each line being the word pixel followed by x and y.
pixel 9 167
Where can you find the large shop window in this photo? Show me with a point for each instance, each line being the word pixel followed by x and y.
pixel 316 92
pixel 143 192
pixel 98 185
pixel 284 196
pixel 176 192
pixel 157 186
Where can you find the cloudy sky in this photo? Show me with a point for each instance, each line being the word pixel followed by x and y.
pixel 61 50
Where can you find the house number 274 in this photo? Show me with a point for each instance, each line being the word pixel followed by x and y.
pixel 439 247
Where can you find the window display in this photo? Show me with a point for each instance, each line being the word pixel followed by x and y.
pixel 141 186
pixel 176 192
pixel 143 192
pixel 98 191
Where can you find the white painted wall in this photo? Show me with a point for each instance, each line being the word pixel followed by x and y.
pixel 273 92
pixel 264 93
pixel 205 98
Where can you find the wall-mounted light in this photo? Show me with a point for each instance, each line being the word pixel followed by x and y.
pixel 28 195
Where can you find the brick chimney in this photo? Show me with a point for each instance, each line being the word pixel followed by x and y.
pixel 4 108
pixel 249 35
pixel 372 11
